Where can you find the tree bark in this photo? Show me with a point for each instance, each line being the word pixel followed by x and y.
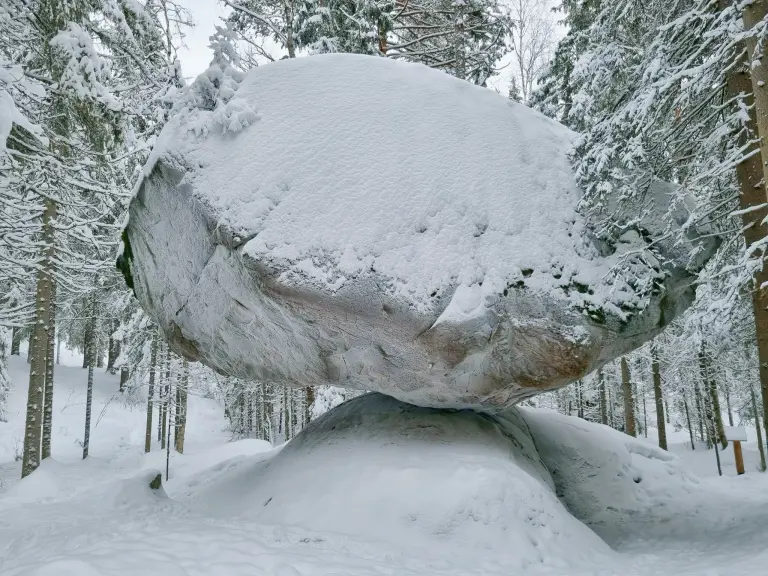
pixel 166 399
pixel 658 397
pixel 182 391
pixel 151 393
pixel 124 375
pixel 87 342
pixel 727 390
pixel 750 79
pixel 113 348
pixel 49 369
pixel 760 445
pixel 690 427
pixel 602 396
pixel 16 341
pixel 710 385
pixel 94 326
pixel 629 401
pixel 310 400
pixel 699 412
pixel 38 350
pixel 99 352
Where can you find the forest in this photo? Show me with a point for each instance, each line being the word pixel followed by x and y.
pixel 654 91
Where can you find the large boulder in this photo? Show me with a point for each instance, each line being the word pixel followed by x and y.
pixel 377 225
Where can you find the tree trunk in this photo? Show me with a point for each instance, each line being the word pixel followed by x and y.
pixel 612 421
pixel 124 375
pixel 113 348
pixel 310 391
pixel 181 409
pixel 87 341
pixel 151 393
pixel 460 64
pixel 750 79
pixel 699 412
pixel 602 396
pixel 629 401
pixel 16 341
pixel 166 399
pixel 48 402
pixel 645 415
pixel 727 390
pixel 38 349
pixel 99 352
pixel 760 445
pixel 690 428
pixel 58 350
pixel 710 386
pixel 287 416
pixel 580 398
pixel 660 424
pixel 289 41
pixel 94 326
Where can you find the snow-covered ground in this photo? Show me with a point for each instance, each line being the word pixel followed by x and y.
pixel 365 499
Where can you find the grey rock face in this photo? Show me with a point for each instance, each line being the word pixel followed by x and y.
pixel 518 330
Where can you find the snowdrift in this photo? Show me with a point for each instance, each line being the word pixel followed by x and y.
pixel 440 482
pixel 377 225
pixel 608 480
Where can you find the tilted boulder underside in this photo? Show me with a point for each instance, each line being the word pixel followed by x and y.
pixel 377 225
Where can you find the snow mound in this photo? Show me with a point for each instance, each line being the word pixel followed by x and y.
pixel 384 226
pixel 442 482
pixel 605 477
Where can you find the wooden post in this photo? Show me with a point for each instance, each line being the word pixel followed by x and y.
pixel 738 456
pixel 737 435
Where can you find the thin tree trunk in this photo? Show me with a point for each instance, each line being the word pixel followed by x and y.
pixel 580 398
pixel 87 343
pixel 181 409
pixel 168 444
pixel 611 418
pixel 688 418
pixel 38 349
pixel 760 445
pixel 310 391
pixel 16 341
pixel 99 352
pixel 288 18
pixel 712 433
pixel 710 386
pixel 58 350
pixel 166 398
pixel 113 348
pixel 629 401
pixel 89 395
pixel 287 417
pixel 48 403
pixel 751 79
pixel 727 390
pixel 699 412
pixel 151 393
pixel 602 396
pixel 657 395
pixel 460 64
pixel 645 415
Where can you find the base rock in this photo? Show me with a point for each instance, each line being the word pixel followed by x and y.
pixel 442 482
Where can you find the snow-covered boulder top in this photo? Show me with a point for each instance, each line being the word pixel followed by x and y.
pixel 380 225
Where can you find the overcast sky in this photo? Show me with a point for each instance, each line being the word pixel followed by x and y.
pixel 196 56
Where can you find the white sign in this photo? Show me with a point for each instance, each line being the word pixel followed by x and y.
pixel 735 433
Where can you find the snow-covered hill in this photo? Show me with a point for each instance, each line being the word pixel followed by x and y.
pixel 375 487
